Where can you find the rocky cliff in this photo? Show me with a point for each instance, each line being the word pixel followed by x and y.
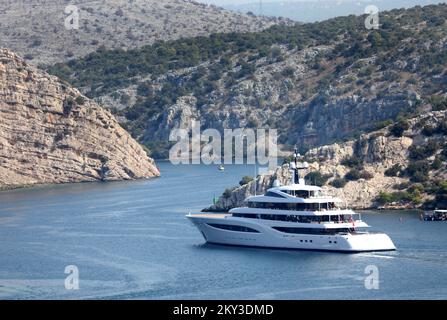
pixel 36 28
pixel 421 150
pixel 50 133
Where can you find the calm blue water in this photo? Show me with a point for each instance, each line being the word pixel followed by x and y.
pixel 130 240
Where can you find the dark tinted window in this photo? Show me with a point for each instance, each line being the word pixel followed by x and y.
pixel 233 228
pixel 310 230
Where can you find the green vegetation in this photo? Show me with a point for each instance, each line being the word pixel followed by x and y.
pixel 424 151
pixel 228 192
pixel 245 180
pixel 352 162
pixel 399 128
pixel 438 103
pixel 356 174
pixel 441 195
pixel 418 171
pixel 338 183
pixel 221 61
pixel 393 171
pixel 317 178
pixel 80 100
pixel 413 196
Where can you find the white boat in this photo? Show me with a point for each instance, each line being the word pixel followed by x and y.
pixel 296 216
pixel 221 168
pixel 436 215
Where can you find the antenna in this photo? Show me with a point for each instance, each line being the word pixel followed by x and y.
pixel 296 177
pixel 297 167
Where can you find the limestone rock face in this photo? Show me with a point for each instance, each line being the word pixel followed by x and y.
pixel 50 133
pixel 379 152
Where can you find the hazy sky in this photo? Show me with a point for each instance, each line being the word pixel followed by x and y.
pixel 226 2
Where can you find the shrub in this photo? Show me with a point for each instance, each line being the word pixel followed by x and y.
pixel 356 174
pixel 353 175
pixel 399 128
pixel 400 196
pixel 441 128
pixel 68 106
pixel 438 103
pixel 245 180
pixel 418 170
pixel 436 164
pixel 288 72
pixel 80 100
pixel 419 177
pixel 228 192
pixel 393 171
pixel 338 183
pixel 317 178
pixel 428 131
pixel 441 195
pixel 423 152
pixel 401 186
pixel 352 162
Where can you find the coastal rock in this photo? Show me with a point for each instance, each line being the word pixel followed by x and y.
pixel 378 150
pixel 50 133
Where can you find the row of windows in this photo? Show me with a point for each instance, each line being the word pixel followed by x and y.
pixel 295 218
pixel 313 230
pixel 233 228
pixel 300 193
pixel 293 206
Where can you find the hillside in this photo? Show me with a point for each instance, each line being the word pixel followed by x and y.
pixel 50 133
pixel 316 83
pixel 401 166
pixel 36 29
pixel 311 11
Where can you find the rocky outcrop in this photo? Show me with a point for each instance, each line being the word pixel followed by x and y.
pixel 50 133
pixel 378 151
pixel 37 29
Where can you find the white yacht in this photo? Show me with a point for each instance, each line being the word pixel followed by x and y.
pixel 296 216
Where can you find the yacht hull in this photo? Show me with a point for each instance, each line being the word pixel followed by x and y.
pixel 267 237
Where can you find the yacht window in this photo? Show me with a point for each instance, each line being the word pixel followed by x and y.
pixel 233 228
pixel 311 230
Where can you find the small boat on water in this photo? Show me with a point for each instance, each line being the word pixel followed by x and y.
pixel 436 215
pixel 221 167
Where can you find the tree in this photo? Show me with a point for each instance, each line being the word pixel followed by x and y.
pixel 245 180
pixel 338 183
pixel 441 195
pixel 399 128
pixel 317 178
pixel 393 171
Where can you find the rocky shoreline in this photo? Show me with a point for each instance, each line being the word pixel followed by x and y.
pixel 51 134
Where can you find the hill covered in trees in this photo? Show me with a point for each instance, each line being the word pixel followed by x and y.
pixel 37 30
pixel 316 83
